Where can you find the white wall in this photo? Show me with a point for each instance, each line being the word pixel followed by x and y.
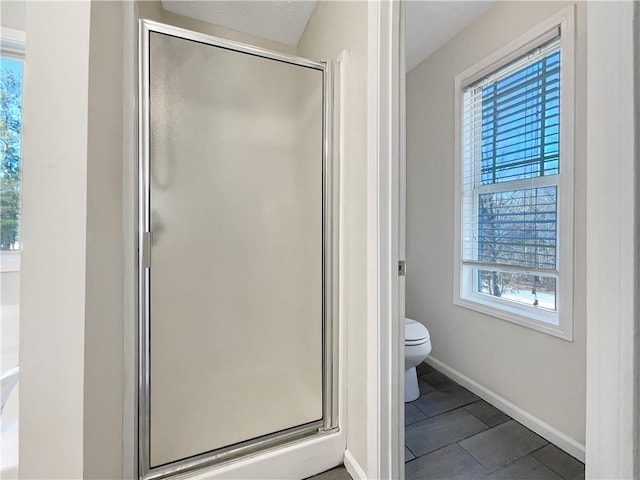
pixel 152 10
pixel 216 30
pixel 54 240
pixel 9 287
pixel 541 374
pixel 334 27
pixel 103 384
pixel 71 326
pixel 12 14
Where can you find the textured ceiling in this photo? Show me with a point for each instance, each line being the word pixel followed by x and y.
pixel 431 24
pixel 282 22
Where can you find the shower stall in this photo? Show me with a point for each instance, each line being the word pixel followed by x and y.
pixel 237 335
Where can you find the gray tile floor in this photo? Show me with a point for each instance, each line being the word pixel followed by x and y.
pixel 450 433
pixel 337 473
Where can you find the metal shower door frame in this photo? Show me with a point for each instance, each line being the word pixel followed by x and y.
pixel 329 422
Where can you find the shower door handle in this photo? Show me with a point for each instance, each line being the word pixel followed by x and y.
pixel 145 250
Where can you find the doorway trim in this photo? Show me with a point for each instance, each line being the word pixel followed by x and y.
pixel 613 264
pixel 385 330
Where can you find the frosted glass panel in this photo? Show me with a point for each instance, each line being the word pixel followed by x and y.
pixel 236 260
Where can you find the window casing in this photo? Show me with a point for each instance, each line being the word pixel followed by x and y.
pixel 514 181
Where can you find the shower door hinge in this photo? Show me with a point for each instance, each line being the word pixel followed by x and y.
pixel 145 248
pixel 402 268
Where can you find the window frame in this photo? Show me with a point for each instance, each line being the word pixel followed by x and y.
pixel 560 322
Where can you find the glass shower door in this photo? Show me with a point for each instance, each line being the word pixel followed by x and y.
pixel 232 247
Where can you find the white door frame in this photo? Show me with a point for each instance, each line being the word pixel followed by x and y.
pixel 613 436
pixel 385 332
pixel 613 263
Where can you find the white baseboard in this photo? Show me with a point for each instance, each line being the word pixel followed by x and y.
pixel 553 435
pixel 353 467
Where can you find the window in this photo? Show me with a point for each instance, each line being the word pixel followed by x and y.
pixel 515 181
pixel 11 66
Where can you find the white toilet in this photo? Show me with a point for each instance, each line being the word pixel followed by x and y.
pixel 417 346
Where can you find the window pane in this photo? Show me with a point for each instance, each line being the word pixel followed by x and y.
pixel 532 290
pixel 10 124
pixel 521 122
pixel 518 227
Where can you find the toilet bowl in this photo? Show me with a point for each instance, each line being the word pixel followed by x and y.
pixel 417 346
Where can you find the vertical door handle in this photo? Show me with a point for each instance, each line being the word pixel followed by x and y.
pixel 146 250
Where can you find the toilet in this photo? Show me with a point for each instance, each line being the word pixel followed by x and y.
pixel 417 346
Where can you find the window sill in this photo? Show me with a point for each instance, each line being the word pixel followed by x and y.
pixel 510 314
pixel 9 261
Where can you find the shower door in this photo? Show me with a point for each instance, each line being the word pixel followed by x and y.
pixel 236 343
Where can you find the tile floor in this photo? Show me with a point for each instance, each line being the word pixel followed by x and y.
pixel 450 433
pixel 337 473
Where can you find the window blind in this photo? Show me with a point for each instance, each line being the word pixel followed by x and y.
pixel 510 153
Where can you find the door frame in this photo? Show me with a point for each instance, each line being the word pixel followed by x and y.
pixel 613 264
pixel 385 291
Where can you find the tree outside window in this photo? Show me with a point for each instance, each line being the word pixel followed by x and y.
pixel 10 127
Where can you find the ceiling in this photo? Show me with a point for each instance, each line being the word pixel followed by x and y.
pixel 430 24
pixel 279 21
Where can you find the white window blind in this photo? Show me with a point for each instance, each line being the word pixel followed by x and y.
pixel 510 178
